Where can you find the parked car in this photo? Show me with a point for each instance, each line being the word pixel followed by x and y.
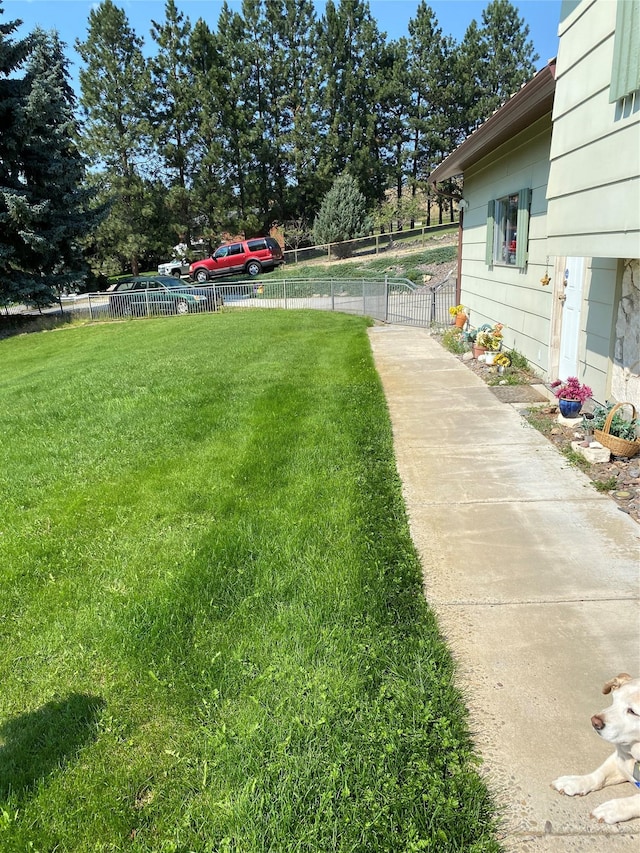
pixel 244 256
pixel 160 294
pixel 174 267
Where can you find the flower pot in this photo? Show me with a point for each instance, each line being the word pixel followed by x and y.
pixel 569 408
pixel 489 357
pixel 478 351
pixel 460 320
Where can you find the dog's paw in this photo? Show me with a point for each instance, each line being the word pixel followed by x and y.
pixel 608 812
pixel 616 811
pixel 572 786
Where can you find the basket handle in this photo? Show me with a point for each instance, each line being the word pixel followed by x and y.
pixel 607 423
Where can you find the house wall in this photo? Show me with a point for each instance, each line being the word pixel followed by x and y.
pixel 625 381
pixel 594 176
pixel 500 293
pixel 596 329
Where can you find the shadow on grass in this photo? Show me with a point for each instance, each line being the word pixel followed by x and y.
pixel 35 743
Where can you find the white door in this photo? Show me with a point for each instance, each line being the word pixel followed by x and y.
pixel 570 332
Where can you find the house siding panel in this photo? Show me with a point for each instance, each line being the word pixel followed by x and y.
pixel 504 293
pixel 593 193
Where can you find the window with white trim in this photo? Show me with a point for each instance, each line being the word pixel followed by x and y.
pixel 508 230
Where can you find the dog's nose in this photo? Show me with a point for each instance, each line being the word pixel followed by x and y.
pixel 597 723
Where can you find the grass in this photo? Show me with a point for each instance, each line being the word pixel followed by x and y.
pixel 403 265
pixel 214 635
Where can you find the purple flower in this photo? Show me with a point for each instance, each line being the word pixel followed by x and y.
pixel 571 389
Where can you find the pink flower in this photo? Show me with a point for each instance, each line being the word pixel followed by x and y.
pixel 571 389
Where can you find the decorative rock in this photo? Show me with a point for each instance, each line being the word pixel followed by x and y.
pixel 594 453
pixel 570 422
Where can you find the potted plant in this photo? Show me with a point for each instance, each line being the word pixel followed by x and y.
pixel 459 315
pixel 614 431
pixel 489 340
pixel 571 394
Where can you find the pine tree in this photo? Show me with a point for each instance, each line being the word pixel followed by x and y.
pixel 53 173
pixel 44 206
pixel 115 88
pixel 290 81
pixel 428 61
pixel 221 196
pixel 343 214
pixel 394 95
pixel 13 286
pixel 495 60
pixel 172 115
pixel 349 51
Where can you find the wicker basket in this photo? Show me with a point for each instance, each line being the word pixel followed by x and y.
pixel 618 446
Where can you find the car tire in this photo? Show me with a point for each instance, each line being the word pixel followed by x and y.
pixel 182 306
pixel 253 268
pixel 175 273
pixel 201 276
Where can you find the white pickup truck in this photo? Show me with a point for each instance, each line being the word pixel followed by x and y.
pixel 175 267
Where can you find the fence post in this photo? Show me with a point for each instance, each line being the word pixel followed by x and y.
pixel 333 296
pixel 386 298
pixel 90 311
pixel 284 291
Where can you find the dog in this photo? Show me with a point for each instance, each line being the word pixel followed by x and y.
pixel 620 725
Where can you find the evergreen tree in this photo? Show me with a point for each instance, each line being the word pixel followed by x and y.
pixel 13 286
pixel 172 116
pixel 221 196
pixel 494 61
pixel 114 86
pixel 44 207
pixel 394 96
pixel 53 172
pixel 429 61
pixel 290 78
pixel 349 51
pixel 343 214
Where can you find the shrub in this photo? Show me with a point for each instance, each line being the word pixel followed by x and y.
pixel 342 214
pixel 453 340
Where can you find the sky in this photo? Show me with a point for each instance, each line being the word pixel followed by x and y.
pixel 70 18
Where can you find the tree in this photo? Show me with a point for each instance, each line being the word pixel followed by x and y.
pixel 349 47
pixel 117 137
pixel 290 76
pixel 221 197
pixel 430 74
pixel 44 206
pixel 12 196
pixel 394 96
pixel 494 61
pixel 343 213
pixel 172 116
pixel 53 172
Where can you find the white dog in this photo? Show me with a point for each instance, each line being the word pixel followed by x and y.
pixel 619 724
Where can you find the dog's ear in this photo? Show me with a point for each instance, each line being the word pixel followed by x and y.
pixel 616 682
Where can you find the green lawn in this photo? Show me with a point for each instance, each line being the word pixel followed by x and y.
pixel 213 633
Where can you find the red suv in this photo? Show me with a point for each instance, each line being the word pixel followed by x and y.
pixel 246 256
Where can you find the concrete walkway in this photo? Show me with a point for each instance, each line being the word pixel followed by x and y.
pixel 535 579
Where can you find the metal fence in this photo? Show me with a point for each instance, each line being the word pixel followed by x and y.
pixel 388 300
